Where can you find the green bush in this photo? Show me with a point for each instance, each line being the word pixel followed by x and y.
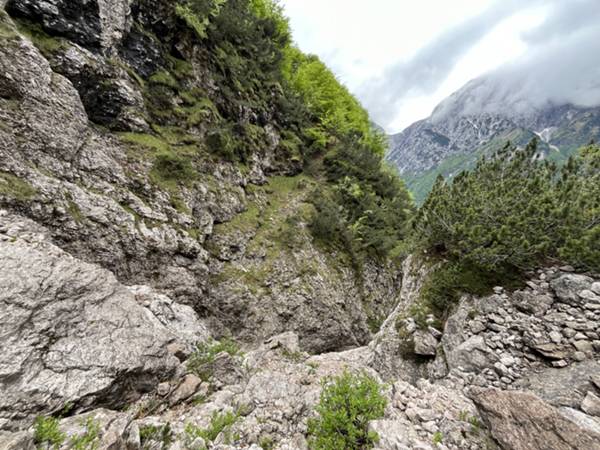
pixel 369 207
pixel 347 404
pixel 513 212
pixel 222 141
pixel 326 224
pixel 579 190
pixel 500 214
pixel 47 431
pixel 445 285
pixel 337 110
pixel 198 14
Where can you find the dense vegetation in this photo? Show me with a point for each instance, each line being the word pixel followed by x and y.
pixel 347 404
pixel 505 216
pixel 361 206
pixel 510 214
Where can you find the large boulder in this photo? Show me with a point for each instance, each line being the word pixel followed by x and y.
pixel 568 286
pixel 562 387
pixel 522 421
pixel 72 334
pixel 473 355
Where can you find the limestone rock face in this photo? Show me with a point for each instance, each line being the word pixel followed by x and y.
pixel 521 421
pixel 562 387
pixel 81 188
pixel 110 275
pixel 97 23
pixel 71 333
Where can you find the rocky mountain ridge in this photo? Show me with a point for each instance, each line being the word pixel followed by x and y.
pixel 477 120
pixel 143 313
pixel 513 370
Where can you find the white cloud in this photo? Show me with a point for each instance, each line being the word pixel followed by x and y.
pixel 403 58
pixel 359 39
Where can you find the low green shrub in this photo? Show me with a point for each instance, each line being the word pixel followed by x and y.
pixel 514 212
pixel 445 285
pixel 47 432
pixel 90 440
pixel 347 404
pixel 222 141
pixel 152 433
pixel 198 14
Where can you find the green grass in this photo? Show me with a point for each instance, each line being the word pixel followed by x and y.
pixel 181 68
pixel 164 79
pixel 15 187
pixel 145 141
pixel 90 440
pixel 219 423
pixel 45 43
pixel 162 434
pixel 272 229
pixel 7 31
pixel 266 443
pixel 46 431
pixel 267 217
pixel 170 169
pixel 204 355
pixel 172 166
pixel 202 110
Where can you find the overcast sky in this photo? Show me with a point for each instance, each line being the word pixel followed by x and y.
pixel 402 58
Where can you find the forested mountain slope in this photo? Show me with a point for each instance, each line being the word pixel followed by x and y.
pixel 481 118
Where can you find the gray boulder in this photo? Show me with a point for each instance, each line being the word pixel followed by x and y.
pixel 567 287
pixel 71 333
pixel 591 404
pixel 532 303
pixel 425 343
pixel 21 440
pixel 472 355
pixel 562 387
pixel 104 429
pixel 583 420
pixel 522 421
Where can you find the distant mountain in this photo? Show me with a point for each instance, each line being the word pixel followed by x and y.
pixel 478 119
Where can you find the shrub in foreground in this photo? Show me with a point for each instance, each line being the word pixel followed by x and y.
pixel 347 404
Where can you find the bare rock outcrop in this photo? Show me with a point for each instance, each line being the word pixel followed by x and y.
pixel 72 334
pixel 521 421
pixel 98 23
